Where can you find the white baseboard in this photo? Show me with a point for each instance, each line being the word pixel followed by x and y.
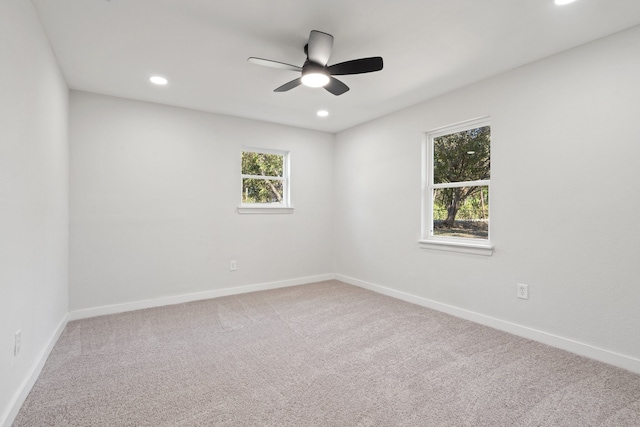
pixel 602 355
pixel 179 299
pixel 9 415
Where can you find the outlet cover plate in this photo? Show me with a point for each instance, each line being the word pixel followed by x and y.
pixel 522 291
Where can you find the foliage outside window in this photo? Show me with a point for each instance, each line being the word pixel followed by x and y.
pixel 458 165
pixel 265 180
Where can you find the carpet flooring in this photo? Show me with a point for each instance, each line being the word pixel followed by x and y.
pixel 324 354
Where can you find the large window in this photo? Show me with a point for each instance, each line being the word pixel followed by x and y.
pixel 456 187
pixel 265 178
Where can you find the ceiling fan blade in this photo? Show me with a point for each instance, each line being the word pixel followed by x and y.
pixel 336 87
pixel 319 47
pixel 356 66
pixel 274 64
pixel 288 86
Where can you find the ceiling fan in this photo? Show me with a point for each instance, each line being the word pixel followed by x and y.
pixel 315 72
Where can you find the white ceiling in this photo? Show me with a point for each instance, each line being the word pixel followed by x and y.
pixel 429 47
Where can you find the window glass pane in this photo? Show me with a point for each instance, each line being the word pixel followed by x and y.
pixel 461 212
pixel 262 164
pixel 262 190
pixel 462 156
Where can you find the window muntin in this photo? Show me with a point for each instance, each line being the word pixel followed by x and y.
pixel 456 196
pixel 265 177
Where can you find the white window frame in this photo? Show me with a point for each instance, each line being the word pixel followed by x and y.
pixel 427 239
pixel 269 208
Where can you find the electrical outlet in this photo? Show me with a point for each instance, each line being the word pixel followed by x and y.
pixel 523 291
pixel 233 265
pixel 17 342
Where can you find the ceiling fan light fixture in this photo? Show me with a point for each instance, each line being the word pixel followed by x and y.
pixel 315 79
pixel 314 76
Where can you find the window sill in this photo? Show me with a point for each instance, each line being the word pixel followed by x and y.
pixel 460 247
pixel 265 210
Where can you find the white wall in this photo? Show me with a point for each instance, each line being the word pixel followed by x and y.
pixel 33 198
pixel 154 192
pixel 564 198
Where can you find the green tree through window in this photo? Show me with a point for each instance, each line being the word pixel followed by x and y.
pixel 459 180
pixel 264 177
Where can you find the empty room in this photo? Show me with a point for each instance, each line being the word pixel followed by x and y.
pixel 304 213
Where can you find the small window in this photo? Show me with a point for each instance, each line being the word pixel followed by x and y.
pixel 457 162
pixel 265 179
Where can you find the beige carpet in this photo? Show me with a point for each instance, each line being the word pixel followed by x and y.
pixel 326 354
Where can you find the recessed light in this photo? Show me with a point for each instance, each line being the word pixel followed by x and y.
pixel 158 80
pixel 322 113
pixel 563 2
